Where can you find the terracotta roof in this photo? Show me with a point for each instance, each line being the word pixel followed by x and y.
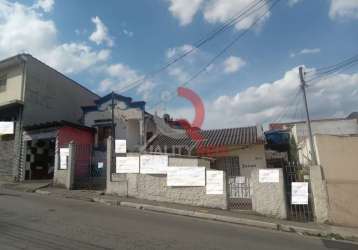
pixel 215 137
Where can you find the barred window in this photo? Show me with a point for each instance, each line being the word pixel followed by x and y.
pixel 2 83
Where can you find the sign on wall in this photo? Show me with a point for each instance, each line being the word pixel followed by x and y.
pixel 64 157
pixel 6 128
pixel 100 165
pixel 121 146
pixel 153 164
pixel 269 176
pixel 186 177
pixel 214 182
pixel 299 193
pixel 127 165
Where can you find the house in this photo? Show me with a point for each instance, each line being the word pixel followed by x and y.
pixel 332 126
pixel 33 93
pixel 131 122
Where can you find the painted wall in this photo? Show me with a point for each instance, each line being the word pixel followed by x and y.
pixel 51 96
pixel 250 157
pixel 338 157
pixel 153 187
pixel 13 84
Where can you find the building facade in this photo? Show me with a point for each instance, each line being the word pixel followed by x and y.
pixel 33 93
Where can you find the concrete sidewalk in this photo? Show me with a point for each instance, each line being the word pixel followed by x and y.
pixel 247 218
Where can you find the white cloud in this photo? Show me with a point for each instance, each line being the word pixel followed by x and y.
pixel 120 77
pixel 45 5
pixel 128 33
pixel 266 102
pixel 222 10
pixel 217 11
pixel 343 9
pixel 293 2
pixel 233 64
pixel 17 25
pixel 184 10
pixel 100 35
pixel 306 51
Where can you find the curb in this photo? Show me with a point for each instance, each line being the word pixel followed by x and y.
pixel 227 219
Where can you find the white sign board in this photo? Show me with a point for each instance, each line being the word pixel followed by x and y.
pixel 64 155
pixel 299 193
pixel 269 175
pixel 153 164
pixel 121 146
pixel 214 182
pixel 127 165
pixel 186 177
pixel 6 128
pixel 100 165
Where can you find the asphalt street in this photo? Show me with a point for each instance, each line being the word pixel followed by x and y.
pixel 33 221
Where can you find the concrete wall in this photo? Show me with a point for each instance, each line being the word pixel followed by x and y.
pixel 51 96
pixel 338 157
pixel 64 177
pixel 268 199
pixel 329 127
pixel 153 187
pixel 13 84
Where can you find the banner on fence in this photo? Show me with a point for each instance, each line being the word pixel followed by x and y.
pixel 121 146
pixel 186 177
pixel 127 165
pixel 269 176
pixel 153 164
pixel 299 193
pixel 6 128
pixel 64 156
pixel 100 165
pixel 214 182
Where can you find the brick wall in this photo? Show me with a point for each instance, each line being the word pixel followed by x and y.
pixel 6 159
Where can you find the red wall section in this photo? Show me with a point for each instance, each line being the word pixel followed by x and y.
pixel 67 134
pixel 83 140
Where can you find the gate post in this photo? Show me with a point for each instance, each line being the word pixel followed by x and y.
pixel 71 165
pixel 319 194
pixel 109 162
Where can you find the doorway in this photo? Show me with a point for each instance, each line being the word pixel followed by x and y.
pixel 40 159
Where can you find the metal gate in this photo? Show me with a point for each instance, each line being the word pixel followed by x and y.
pixel 294 172
pixel 90 167
pixel 238 187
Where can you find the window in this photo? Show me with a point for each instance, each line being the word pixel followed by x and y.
pixel 2 83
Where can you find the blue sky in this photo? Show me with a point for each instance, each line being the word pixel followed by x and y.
pixel 106 46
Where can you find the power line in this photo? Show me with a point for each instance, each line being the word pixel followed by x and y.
pixel 233 21
pixel 226 48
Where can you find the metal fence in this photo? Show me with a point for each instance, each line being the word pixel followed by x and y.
pixel 90 167
pixel 294 172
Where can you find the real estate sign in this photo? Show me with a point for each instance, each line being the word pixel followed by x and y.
pixel 6 128
pixel 64 156
pixel 214 182
pixel 153 164
pixel 121 146
pixel 186 177
pixel 127 165
pixel 269 176
pixel 299 193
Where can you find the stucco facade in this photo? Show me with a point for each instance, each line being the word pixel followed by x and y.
pixel 338 157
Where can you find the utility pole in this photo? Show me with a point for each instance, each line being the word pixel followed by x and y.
pixel 113 134
pixel 303 87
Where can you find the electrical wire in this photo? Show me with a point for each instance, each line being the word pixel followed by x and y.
pixel 252 7
pixel 224 50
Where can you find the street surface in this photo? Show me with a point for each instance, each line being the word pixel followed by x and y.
pixel 32 221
